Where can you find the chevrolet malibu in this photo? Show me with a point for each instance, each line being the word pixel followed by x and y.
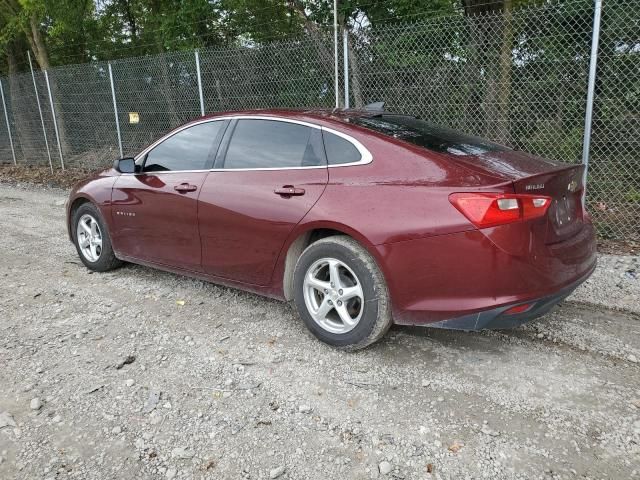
pixel 362 218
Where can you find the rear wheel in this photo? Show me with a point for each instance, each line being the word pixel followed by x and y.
pixel 341 294
pixel 92 239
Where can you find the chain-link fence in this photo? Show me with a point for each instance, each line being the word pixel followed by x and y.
pixel 614 188
pixel 518 77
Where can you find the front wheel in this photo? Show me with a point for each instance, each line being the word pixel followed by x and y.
pixel 341 294
pixel 91 239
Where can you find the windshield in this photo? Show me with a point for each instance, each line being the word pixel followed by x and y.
pixel 427 135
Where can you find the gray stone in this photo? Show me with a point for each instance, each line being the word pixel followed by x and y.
pixel 488 431
pixel 152 401
pixel 171 473
pixel 6 420
pixel 276 472
pixel 385 468
pixel 182 453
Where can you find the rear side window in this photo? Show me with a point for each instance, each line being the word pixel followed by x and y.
pixel 339 150
pixel 428 135
pixel 189 149
pixel 273 144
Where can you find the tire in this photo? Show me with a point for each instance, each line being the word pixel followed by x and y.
pixel 369 315
pixel 104 258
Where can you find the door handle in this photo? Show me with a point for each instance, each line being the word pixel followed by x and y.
pixel 289 190
pixel 185 187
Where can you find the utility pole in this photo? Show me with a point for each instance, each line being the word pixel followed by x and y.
pixel 44 130
pixel 588 118
pixel 335 52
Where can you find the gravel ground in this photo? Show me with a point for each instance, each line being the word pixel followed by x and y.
pixel 142 374
pixel 614 284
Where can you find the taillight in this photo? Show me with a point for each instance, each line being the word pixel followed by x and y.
pixel 492 209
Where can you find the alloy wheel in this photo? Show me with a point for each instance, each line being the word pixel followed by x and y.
pixel 333 295
pixel 89 238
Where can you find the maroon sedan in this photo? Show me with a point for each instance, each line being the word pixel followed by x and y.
pixel 362 218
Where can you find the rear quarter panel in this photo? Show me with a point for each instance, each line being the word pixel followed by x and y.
pixel 401 195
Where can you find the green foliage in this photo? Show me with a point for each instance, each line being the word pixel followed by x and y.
pixel 77 31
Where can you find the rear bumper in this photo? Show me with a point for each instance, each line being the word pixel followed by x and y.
pixel 469 279
pixel 496 318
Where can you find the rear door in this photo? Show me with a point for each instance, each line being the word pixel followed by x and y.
pixel 155 211
pixel 268 175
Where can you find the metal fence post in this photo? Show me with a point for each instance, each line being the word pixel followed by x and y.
pixel 6 118
pixel 199 83
pixel 55 122
pixel 44 130
pixel 335 52
pixel 115 110
pixel 588 118
pixel 345 58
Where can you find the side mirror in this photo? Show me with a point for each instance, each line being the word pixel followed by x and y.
pixel 125 165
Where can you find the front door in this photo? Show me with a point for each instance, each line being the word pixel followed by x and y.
pixel 155 211
pixel 265 181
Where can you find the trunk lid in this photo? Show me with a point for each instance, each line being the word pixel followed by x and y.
pixel 533 175
pixel 564 216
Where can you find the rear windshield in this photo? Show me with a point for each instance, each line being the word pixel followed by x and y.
pixel 428 135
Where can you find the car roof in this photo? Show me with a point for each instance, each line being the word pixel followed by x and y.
pixel 322 114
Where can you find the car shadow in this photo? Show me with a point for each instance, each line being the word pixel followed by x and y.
pixel 412 338
pixel 399 343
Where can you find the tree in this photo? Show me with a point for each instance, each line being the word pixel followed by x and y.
pixel 494 34
pixel 23 17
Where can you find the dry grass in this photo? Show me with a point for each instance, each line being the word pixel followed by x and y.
pixel 619 247
pixel 41 175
